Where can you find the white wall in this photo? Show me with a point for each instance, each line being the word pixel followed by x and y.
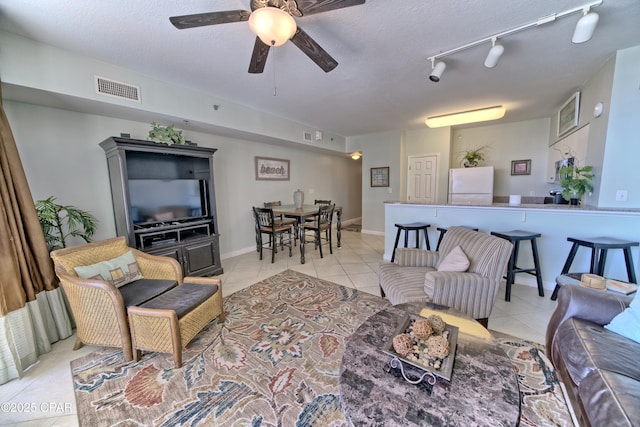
pixel 61 157
pixel 527 140
pixel 379 150
pixel 620 165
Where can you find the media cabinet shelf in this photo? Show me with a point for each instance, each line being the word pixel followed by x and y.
pixel 193 241
pixel 152 237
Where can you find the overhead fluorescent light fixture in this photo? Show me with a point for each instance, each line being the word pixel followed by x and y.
pixel 471 116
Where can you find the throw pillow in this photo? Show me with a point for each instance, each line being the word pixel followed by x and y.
pixel 455 260
pixel 627 323
pixel 119 271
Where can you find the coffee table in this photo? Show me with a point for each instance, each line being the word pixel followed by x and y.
pixel 483 389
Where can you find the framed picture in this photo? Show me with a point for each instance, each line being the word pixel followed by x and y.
pixel 270 169
pixel 380 177
pixel 568 114
pixel 521 167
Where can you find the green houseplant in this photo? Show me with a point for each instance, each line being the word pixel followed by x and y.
pixel 575 181
pixel 166 134
pixel 59 222
pixel 471 158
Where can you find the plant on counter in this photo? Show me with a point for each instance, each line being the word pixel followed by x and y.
pixel 59 222
pixel 166 134
pixel 471 158
pixel 575 181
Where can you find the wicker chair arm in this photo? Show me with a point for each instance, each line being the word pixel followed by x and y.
pixel 103 321
pixel 158 267
pixel 411 257
pixel 469 293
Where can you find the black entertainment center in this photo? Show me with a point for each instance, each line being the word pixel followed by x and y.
pixel 164 201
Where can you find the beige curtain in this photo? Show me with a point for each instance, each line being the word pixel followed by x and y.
pixel 33 313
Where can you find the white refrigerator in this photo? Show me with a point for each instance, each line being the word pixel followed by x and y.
pixel 471 186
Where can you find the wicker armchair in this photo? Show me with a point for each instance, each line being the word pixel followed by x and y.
pixel 414 276
pixel 98 306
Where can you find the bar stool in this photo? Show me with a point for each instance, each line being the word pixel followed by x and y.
pixel 414 226
pixel 599 247
pixel 443 230
pixel 515 237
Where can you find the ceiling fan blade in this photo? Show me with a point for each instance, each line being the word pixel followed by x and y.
pixel 313 50
pixel 259 57
pixel 211 18
pixel 309 7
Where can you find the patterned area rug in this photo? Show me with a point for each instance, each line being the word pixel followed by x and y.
pixel 274 362
pixel 542 400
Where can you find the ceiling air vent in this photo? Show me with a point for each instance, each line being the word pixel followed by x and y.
pixel 117 89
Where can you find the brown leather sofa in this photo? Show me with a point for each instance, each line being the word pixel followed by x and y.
pixel 600 369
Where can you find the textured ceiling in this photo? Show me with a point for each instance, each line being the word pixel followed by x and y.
pixel 381 82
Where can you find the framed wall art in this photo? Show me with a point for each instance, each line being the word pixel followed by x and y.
pixel 521 167
pixel 380 177
pixel 568 114
pixel 270 169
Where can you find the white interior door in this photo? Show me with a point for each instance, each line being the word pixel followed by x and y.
pixel 422 179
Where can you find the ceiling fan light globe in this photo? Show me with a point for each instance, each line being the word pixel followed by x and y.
pixel 272 25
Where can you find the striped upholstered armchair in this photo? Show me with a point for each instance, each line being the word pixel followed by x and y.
pixel 414 275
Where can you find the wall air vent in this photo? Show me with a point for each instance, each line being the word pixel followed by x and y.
pixel 116 89
pixel 307 137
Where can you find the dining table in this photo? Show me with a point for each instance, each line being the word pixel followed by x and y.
pixel 301 214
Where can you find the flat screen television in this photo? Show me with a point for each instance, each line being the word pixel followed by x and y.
pixel 156 201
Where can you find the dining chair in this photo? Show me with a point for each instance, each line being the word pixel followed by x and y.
pixel 266 224
pixel 318 202
pixel 322 224
pixel 282 220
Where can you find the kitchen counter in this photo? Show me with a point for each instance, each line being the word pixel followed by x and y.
pixel 554 222
pixel 530 206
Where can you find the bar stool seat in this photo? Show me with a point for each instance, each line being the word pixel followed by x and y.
pixel 515 237
pixel 599 247
pixel 443 230
pixel 414 226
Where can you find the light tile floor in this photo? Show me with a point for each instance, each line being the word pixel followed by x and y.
pixel 47 389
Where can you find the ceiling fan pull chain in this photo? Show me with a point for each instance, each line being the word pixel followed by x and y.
pixel 273 67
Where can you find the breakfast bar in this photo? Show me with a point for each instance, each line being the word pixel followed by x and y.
pixel 554 222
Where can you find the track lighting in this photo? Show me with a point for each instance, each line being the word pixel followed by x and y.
pixel 585 26
pixel 583 32
pixel 494 55
pixel 438 69
pixel 471 116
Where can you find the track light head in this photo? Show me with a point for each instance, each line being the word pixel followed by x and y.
pixel 585 27
pixel 494 55
pixel 438 69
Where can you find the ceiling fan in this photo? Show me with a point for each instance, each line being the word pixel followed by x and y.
pixel 291 8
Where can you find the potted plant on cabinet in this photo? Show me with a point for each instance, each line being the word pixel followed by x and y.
pixel 166 134
pixel 471 158
pixel 575 181
pixel 59 222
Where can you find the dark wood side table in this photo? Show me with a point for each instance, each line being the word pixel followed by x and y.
pixel 483 389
